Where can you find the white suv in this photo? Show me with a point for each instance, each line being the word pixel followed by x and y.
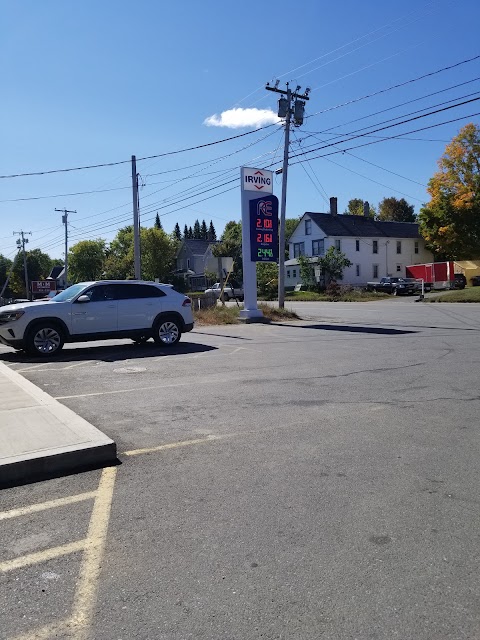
pixel 97 311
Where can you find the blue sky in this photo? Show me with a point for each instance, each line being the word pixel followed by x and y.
pixel 95 82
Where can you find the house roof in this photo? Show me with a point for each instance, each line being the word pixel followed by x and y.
pixel 362 226
pixel 199 247
pixel 56 272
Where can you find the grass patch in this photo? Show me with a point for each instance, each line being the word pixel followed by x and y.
pixel 276 315
pixel 230 315
pixel 469 294
pixel 216 315
pixel 356 295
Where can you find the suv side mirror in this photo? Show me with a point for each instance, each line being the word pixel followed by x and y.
pixel 83 298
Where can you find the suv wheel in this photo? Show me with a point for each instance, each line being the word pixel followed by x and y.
pixel 45 339
pixel 167 332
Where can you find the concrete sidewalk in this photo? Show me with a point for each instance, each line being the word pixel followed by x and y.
pixel 41 438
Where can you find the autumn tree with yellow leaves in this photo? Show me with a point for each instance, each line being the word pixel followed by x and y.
pixel 450 222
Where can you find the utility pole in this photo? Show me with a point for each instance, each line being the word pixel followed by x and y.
pixel 292 104
pixel 21 245
pixel 136 224
pixel 65 222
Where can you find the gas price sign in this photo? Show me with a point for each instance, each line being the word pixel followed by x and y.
pixel 264 229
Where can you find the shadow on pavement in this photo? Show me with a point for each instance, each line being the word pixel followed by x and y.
pixel 110 353
pixel 384 331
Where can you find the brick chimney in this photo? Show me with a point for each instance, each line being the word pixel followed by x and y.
pixel 366 209
pixel 333 206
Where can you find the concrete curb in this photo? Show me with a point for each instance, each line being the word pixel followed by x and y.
pixel 40 438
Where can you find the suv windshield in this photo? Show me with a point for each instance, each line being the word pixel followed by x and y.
pixel 68 294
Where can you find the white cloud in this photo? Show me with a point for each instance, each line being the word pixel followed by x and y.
pixel 238 118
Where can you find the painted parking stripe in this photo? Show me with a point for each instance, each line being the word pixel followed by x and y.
pixel 51 504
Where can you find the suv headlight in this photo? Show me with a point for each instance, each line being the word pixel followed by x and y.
pixel 10 316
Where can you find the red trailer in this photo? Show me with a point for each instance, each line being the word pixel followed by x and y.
pixel 435 275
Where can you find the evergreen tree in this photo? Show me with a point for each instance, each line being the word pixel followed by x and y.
pixel 185 232
pixel 196 231
pixel 204 230
pixel 190 233
pixel 158 224
pixel 176 232
pixel 212 234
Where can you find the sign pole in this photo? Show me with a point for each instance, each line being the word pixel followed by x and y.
pixel 255 183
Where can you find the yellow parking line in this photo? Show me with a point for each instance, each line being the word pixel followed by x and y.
pixel 53 630
pixel 172 445
pixel 42 556
pixel 87 586
pixel 51 504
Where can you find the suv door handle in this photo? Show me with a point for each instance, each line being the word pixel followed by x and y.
pixel 79 313
pixel 111 306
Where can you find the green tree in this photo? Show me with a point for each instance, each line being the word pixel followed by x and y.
pixel 204 231
pixel 333 264
pixel 158 254
pixel 355 208
pixel 395 210
pixel 86 260
pixel 450 222
pixel 212 234
pixel 5 266
pixel 267 280
pixel 190 233
pixel 177 233
pixel 185 232
pixel 158 224
pixel 119 263
pixel 307 272
pixel 197 235
pixel 39 265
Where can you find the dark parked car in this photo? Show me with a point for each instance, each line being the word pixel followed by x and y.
pixel 476 281
pixel 395 286
pixel 460 281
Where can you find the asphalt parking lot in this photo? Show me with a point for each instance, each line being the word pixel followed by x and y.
pixel 314 479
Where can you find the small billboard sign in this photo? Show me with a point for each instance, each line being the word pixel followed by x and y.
pixel 43 286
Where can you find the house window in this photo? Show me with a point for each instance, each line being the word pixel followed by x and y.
pixel 298 249
pixel 357 270
pixel 399 246
pixel 308 227
pixel 399 268
pixel 318 247
pixel 288 273
pixel 375 246
pixel 338 245
pixel 357 245
pixel 416 246
pixel 188 263
pixel 375 270
pixel 294 273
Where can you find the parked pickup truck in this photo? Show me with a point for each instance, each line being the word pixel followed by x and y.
pixel 395 286
pixel 230 292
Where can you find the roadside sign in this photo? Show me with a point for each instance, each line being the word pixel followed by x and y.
pixel 255 183
pixel 264 229
pixel 43 286
pixel 257 180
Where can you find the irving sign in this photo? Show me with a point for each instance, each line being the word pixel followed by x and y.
pixel 257 180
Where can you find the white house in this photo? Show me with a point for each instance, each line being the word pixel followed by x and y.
pixel 375 248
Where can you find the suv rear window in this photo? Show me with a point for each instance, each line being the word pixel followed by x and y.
pixel 135 291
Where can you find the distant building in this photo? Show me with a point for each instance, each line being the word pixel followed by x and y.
pixel 58 273
pixel 194 259
pixel 375 248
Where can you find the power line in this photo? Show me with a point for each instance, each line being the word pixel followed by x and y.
pixel 394 86
pixel 396 124
pixel 158 155
pixel 366 144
